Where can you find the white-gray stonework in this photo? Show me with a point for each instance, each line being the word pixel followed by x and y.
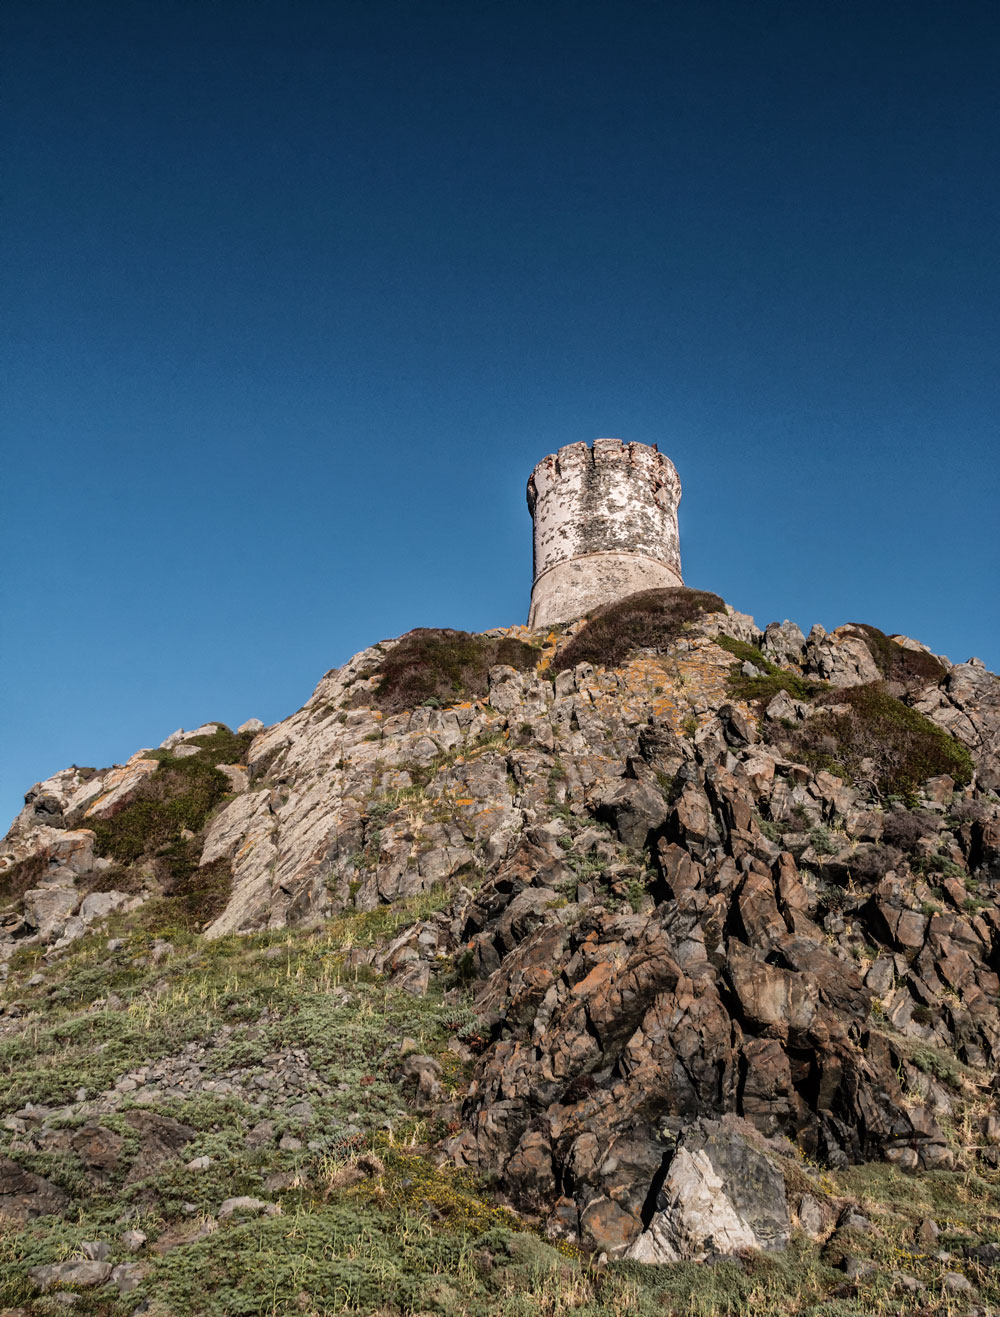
pixel 605 526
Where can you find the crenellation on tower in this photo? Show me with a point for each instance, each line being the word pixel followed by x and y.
pixel 605 526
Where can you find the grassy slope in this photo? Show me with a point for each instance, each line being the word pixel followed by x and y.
pixel 399 1235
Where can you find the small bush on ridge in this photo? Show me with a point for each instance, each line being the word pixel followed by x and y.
pixel 438 666
pixel 651 619
pixel 904 748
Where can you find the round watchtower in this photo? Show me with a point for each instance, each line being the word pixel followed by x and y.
pixel 605 527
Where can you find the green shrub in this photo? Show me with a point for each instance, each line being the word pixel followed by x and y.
pixel 195 895
pixel 160 831
pixel 905 747
pixel 651 619
pixel 771 682
pixel 441 666
pixel 179 794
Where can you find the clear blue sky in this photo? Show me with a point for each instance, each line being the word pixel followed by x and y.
pixel 296 294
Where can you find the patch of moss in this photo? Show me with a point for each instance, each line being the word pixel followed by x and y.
pixel 439 666
pixel 651 619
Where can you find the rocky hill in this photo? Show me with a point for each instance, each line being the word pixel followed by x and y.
pixel 514 963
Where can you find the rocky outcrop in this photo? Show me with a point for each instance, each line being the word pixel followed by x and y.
pixel 683 951
pixel 722 1195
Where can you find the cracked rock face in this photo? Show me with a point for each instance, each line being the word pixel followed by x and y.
pixel 721 1195
pixel 686 957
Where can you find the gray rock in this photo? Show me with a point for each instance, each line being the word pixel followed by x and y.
pixel 841 658
pixel 857 1268
pixel 47 909
pixel 251 1206
pixel 814 1218
pixel 955 1283
pixel 24 1195
pixel 927 1233
pixel 721 1196
pixel 783 643
pixel 98 905
pixel 127 1276
pixel 82 1272
pixel 96 1250
pixel 784 708
pixel 902 1280
pixel 634 809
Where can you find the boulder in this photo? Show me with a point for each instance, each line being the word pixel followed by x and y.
pixel 81 1273
pixel 634 809
pixel 24 1195
pixel 721 1196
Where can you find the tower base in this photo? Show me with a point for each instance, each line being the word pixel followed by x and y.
pixel 570 589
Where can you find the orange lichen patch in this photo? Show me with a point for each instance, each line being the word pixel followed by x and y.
pixel 518 632
pixel 663 708
pixel 485 812
pixel 119 783
pixel 597 978
pixel 465 800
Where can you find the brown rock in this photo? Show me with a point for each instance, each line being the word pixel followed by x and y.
pixel 24 1195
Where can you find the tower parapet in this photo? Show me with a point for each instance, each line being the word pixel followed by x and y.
pixel 605 526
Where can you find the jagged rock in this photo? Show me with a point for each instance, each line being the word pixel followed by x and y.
pixel 667 923
pixel 82 1273
pixel 47 909
pixel 127 1276
pixel 634 809
pixel 967 705
pixel 841 658
pixel 24 1195
pixel 814 1216
pixel 783 643
pixel 161 1137
pixel 721 1196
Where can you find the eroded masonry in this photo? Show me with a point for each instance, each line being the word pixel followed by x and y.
pixel 605 522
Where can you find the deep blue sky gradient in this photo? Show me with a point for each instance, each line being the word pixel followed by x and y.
pixel 297 293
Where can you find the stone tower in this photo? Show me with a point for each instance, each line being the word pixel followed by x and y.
pixel 605 526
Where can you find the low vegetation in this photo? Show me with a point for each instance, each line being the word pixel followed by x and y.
pixel 364 1220
pixel 439 666
pixel 652 619
pixel 770 680
pixel 156 837
pixel 865 734
pixel 908 667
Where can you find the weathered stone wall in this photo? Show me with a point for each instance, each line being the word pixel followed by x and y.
pixel 605 526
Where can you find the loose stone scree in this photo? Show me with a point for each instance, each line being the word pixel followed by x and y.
pixel 605 527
